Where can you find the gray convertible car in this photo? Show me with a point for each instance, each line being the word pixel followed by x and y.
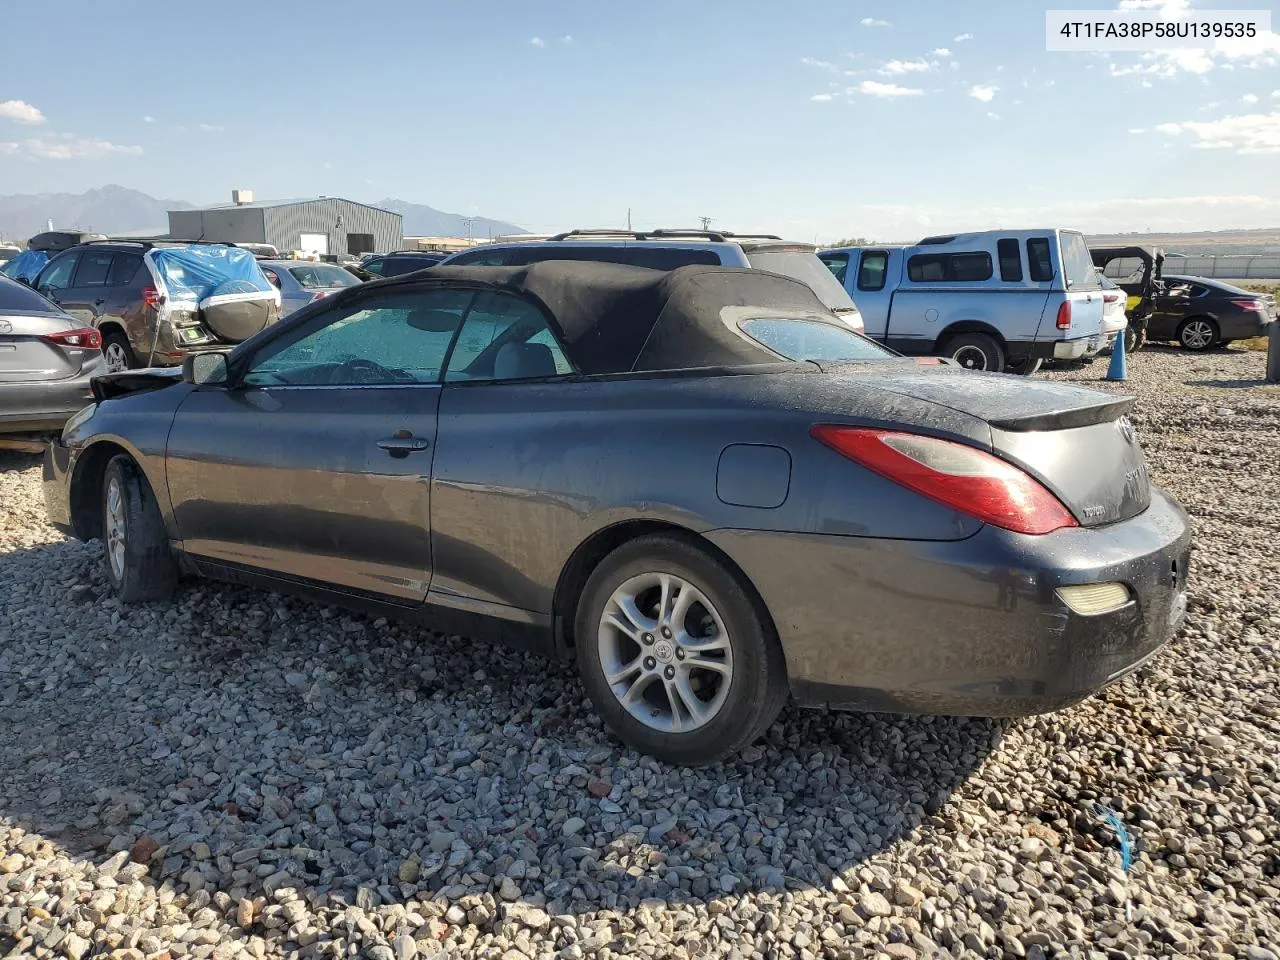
pixel 701 485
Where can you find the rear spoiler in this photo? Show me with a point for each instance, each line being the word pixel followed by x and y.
pixel 111 385
pixel 1075 416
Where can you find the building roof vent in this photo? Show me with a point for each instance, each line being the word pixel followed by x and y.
pixel 240 197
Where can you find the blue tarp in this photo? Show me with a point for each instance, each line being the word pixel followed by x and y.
pixel 196 272
pixel 25 265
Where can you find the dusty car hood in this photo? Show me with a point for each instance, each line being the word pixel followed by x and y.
pixel 111 385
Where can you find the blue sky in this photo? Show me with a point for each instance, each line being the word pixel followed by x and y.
pixel 815 119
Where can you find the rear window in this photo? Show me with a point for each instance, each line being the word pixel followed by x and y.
pixel 653 256
pixel 1077 262
pixel 804 265
pixel 123 268
pixel 1010 260
pixel 872 270
pixel 811 340
pixel 949 267
pixel 322 275
pixel 19 298
pixel 837 263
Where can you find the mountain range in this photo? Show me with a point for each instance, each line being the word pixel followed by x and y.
pixel 117 209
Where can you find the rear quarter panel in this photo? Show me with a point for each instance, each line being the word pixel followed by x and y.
pixel 525 473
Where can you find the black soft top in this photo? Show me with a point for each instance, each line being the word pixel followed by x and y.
pixel 614 318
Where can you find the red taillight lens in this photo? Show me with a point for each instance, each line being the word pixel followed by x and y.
pixel 86 337
pixel 1254 305
pixel 958 476
pixel 321 295
pixel 1064 315
pixel 1110 297
pixel 151 296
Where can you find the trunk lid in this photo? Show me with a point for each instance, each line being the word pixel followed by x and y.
pixel 1077 442
pixel 26 357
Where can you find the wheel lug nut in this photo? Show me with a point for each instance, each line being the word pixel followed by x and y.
pixel 679 654
pixel 669 672
pixel 666 632
pixel 647 638
pixel 650 663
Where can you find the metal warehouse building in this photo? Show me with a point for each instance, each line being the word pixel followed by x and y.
pixel 324 225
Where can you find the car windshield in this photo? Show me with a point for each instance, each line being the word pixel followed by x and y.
pixel 1077 263
pixel 320 275
pixel 811 340
pixel 804 265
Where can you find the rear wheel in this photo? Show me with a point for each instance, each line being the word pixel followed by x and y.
pixel 116 351
pixel 1023 366
pixel 675 653
pixel 975 351
pixel 1198 333
pixel 139 563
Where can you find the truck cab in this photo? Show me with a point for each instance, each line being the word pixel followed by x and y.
pixel 998 300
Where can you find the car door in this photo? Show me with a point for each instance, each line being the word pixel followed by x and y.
pixel 1169 308
pixel 314 462
pixel 868 284
pixel 54 279
pixel 489 534
pixel 85 298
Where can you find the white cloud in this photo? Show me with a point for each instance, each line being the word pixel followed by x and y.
pixel 819 64
pixel 992 115
pixel 20 111
pixel 1275 93
pixel 148 119
pixel 963 37
pixel 1137 129
pixel 1254 133
pixel 537 41
pixel 1169 8
pixel 896 68
pixel 873 88
pixel 983 93
pixel 567 38
pixel 821 97
pixel 873 22
pixel 210 128
pixel 65 146
pixel 941 52
pixel 1250 98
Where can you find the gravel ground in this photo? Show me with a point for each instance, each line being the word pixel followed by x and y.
pixel 241 774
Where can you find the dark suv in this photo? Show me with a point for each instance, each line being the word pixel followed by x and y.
pixel 405 261
pixel 108 285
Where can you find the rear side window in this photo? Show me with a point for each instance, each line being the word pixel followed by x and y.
pixel 1038 259
pixel 837 263
pixel 1010 260
pixel 812 340
pixel 872 270
pixel 482 258
pixel 94 267
pixel 1077 263
pixel 505 338
pixel 949 267
pixel 124 266
pixel 374 266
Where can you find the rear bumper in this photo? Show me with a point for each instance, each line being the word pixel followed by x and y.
pixel 1055 349
pixel 43 405
pixel 969 627
pixel 1243 326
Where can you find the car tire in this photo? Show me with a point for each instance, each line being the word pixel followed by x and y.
pixel 1023 366
pixel 976 351
pixel 117 354
pixel 1197 334
pixel 654 661
pixel 140 565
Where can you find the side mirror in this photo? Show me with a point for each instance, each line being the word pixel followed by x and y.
pixel 205 369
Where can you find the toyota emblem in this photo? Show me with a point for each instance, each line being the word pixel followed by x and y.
pixel 1126 428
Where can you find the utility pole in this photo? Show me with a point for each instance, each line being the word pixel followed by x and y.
pixel 470 222
pixel 706 222
pixel 628 219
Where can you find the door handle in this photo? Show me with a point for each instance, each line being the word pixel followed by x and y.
pixel 403 443
pixel 98 303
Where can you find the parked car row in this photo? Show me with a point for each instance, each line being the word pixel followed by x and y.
pixel 699 485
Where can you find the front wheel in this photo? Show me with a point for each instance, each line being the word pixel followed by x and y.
pixel 975 351
pixel 139 563
pixel 1197 334
pixel 117 353
pixel 676 654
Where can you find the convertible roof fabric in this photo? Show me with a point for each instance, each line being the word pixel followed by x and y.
pixel 614 318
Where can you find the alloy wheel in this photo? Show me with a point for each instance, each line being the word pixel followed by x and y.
pixel 116 359
pixel 971 358
pixel 1198 335
pixel 665 652
pixel 115 528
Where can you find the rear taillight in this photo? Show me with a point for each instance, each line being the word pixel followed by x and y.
pixel 964 478
pixel 1253 305
pixel 1109 298
pixel 86 337
pixel 1064 315
pixel 151 296
pixel 320 295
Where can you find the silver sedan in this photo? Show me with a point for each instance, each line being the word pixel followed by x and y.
pixel 301 282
